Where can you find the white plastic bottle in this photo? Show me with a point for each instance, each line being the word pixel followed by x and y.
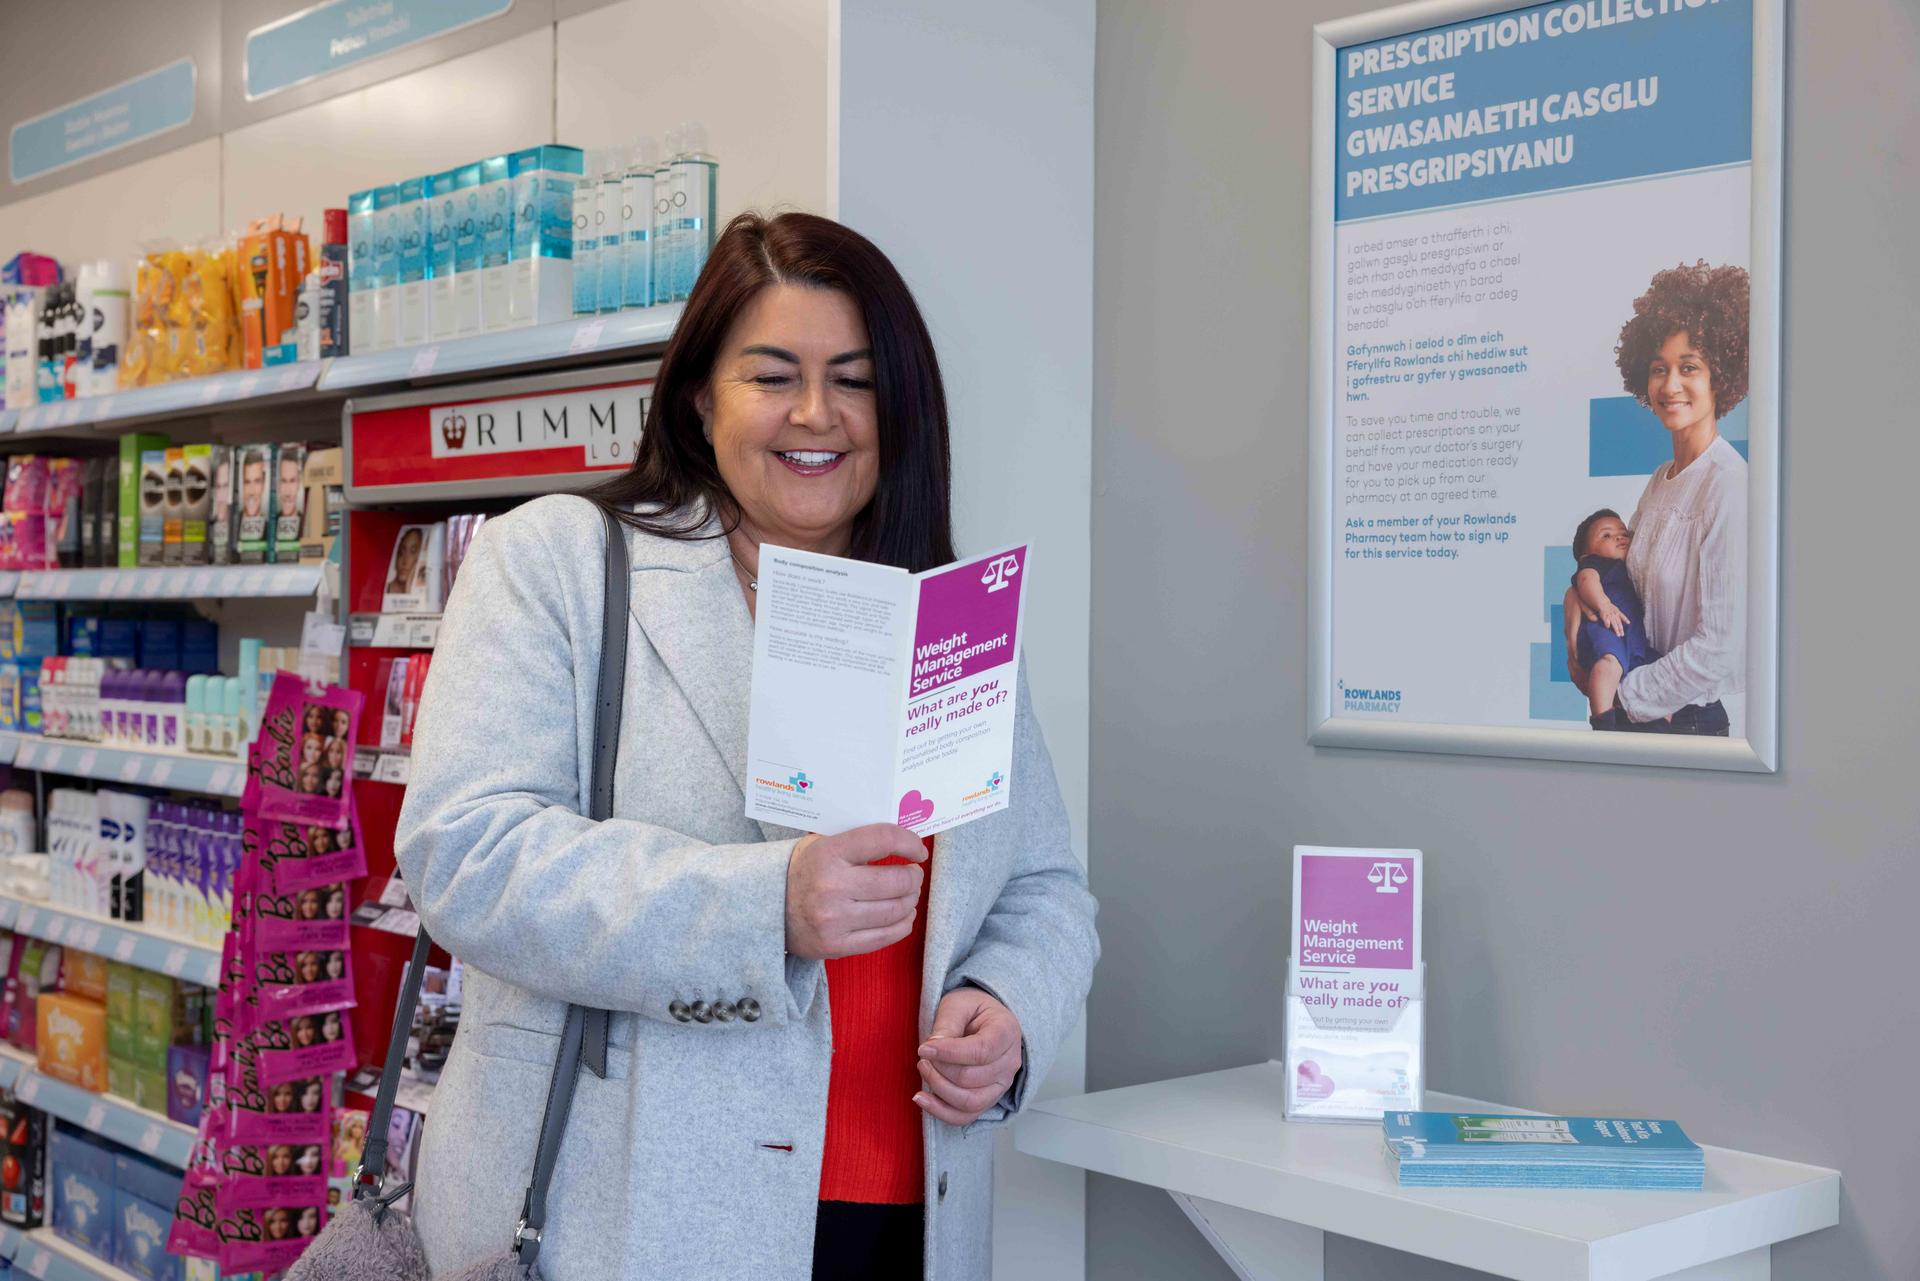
pixel 695 180
pixel 586 238
pixel 608 217
pixel 636 224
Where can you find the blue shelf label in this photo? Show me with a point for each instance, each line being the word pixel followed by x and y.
pixel 131 112
pixel 340 33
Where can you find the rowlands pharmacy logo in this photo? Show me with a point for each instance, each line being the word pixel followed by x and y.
pixel 1386 877
pixel 1355 699
pixel 999 570
pixel 453 429
pixel 800 782
pixel 993 784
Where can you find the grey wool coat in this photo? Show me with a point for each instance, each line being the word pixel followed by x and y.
pixel 698 1157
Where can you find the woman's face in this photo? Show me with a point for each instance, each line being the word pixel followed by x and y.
pixel 309 905
pixel 336 756
pixel 310 779
pixel 310 1097
pixel 336 965
pixel 336 781
pixel 1679 386
pixel 309 1162
pixel 336 905
pixel 309 1224
pixel 330 1028
pixel 280 1161
pixel 281 1100
pixel 305 1032
pixel 312 748
pixel 276 1222
pixel 791 413
pixel 407 556
pixel 341 720
pixel 309 967
pixel 316 719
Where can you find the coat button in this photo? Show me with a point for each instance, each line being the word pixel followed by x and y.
pixel 723 1010
pixel 943 1184
pixel 749 1009
pixel 702 1012
pixel 679 1011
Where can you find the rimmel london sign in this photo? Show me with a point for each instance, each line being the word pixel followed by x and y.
pixel 528 435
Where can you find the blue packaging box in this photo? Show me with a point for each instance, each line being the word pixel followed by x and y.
pixel 144 1191
pixel 159 644
pixel 199 646
pixel 84 1208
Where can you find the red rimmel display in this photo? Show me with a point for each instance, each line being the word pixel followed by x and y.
pixel 520 436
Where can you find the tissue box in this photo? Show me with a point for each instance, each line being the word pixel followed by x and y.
pixel 85 975
pixel 144 1192
pixel 73 1040
pixel 188 1067
pixel 120 1035
pixel 83 1194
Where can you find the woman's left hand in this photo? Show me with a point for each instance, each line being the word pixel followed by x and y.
pixel 970 1059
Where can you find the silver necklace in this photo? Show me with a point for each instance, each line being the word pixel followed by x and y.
pixel 753 584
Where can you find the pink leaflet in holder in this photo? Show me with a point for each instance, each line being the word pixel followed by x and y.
pixel 301 857
pixel 306 1045
pixel 260 1175
pixel 314 981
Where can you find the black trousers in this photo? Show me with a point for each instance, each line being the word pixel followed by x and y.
pixel 853 1242
pixel 1709 720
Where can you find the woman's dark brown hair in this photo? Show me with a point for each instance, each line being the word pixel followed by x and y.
pixel 1709 305
pixel 674 477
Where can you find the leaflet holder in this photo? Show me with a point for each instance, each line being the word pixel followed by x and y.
pixel 1356 1043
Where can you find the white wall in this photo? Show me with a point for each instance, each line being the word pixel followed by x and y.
pixel 966 153
pixel 170 197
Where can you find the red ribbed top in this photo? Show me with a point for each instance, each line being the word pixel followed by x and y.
pixel 873 1149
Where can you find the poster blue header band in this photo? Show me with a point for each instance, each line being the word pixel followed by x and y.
pixel 341 33
pixel 1556 95
pixel 141 108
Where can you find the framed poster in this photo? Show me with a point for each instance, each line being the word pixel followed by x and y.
pixel 1545 380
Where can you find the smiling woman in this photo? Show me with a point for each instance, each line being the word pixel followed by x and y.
pixel 809 1033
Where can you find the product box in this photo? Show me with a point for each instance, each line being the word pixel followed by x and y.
pixel 73 1040
pixel 443 207
pixel 224 502
pixel 197 468
pixel 361 272
pixel 386 257
pixel 98 498
pixel 23 1164
pixel 467 243
pixel 35 969
pixel 66 514
pixel 289 501
pixel 496 236
pixel 173 506
pixel 416 570
pixel 166 1012
pixel 188 1069
pixel 143 1191
pixel 411 210
pixel 84 974
pixel 326 478
pixel 122 1078
pixel 132 448
pixel 540 245
pixel 254 534
pixel 83 1192
pixel 150 1088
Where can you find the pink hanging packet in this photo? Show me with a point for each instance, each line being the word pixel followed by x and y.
pixel 269 1238
pixel 305 982
pixel 284 1112
pixel 298 858
pixel 196 1223
pixel 272 1174
pixel 301 762
pixel 305 1045
pixel 314 918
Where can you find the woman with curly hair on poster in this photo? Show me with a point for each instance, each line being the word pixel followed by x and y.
pixel 1684 356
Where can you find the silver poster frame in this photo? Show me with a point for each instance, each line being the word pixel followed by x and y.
pixel 1758 752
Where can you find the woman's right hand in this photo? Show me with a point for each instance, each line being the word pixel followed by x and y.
pixel 838 905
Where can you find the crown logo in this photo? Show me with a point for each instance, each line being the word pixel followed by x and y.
pixel 453 430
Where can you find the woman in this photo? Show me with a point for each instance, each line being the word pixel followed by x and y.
pixel 812 1036
pixel 1684 356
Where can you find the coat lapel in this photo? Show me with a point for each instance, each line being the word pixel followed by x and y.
pixel 687 601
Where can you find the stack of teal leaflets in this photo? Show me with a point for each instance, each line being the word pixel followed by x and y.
pixel 1455 1150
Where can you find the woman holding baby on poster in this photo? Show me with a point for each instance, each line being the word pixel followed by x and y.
pixel 1656 616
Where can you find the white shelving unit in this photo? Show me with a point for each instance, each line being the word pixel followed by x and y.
pixel 171 582
pixel 135 1127
pixel 140 945
pixel 590 337
pixel 240 389
pixel 44 1256
pixel 207 775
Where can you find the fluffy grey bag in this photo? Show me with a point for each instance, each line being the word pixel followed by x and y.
pixel 369 1240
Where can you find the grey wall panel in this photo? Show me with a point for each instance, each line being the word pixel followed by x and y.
pixel 1599 938
pixel 241 17
pixel 54 54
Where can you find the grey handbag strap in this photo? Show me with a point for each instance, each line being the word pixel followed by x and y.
pixel 583 1038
